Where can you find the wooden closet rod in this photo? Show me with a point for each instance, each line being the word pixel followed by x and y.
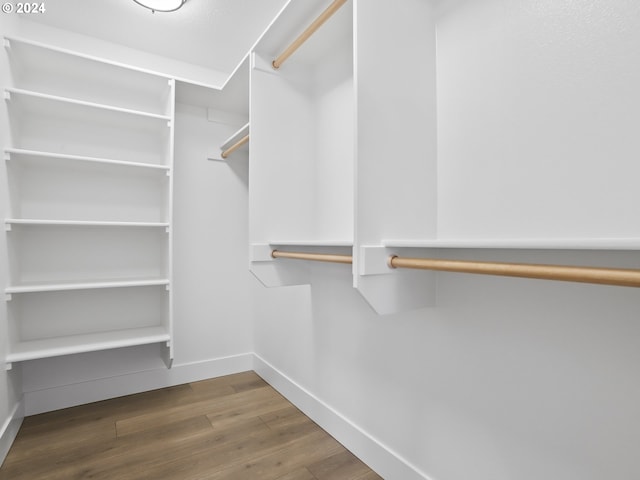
pixel 316 257
pixel 604 276
pixel 235 146
pixel 304 36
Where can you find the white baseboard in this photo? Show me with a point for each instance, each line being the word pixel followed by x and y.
pixel 379 457
pixel 10 429
pixel 65 396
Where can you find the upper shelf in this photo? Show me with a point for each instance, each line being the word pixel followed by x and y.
pixel 294 19
pixel 235 142
pixel 82 223
pixel 521 243
pixel 242 132
pixel 19 153
pixel 56 71
pixel 312 243
pixel 34 101
pixel 50 123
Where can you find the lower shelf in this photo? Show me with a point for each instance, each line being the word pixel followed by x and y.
pixel 54 347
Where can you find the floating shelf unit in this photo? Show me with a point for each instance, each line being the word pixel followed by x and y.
pixel 520 243
pixel 89 166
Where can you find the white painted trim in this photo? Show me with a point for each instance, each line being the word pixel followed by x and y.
pixel 65 396
pixel 374 453
pixel 10 429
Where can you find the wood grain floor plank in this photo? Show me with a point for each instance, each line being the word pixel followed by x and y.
pixel 341 466
pixel 233 427
pixel 120 408
pixel 300 474
pixel 297 454
pixel 200 407
pixel 370 476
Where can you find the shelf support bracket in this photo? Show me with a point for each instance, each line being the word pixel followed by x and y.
pixel 7 227
pixel 8 297
pixel 261 252
pixel 373 260
pixel 8 366
pixel 6 43
pixel 7 156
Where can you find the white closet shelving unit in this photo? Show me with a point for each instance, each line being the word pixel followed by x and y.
pixel 372 138
pixel 89 235
pixel 301 192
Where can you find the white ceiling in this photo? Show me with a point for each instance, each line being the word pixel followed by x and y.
pixel 214 34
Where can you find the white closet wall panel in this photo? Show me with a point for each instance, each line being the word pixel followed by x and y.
pixel 212 307
pixel 396 165
pixel 282 153
pixel 537 116
pixel 302 127
pixel 396 115
pixel 335 124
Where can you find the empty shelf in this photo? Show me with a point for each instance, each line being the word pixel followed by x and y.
pixel 54 347
pixel 57 287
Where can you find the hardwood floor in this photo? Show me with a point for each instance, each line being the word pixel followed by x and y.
pixel 235 427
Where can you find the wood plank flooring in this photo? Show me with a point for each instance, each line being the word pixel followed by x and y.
pixel 235 427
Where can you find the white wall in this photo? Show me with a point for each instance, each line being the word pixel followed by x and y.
pixel 538 108
pixel 504 379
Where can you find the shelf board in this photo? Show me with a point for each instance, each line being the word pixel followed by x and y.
pixel 313 243
pixel 19 152
pixel 57 287
pixel 629 243
pixel 35 96
pixel 54 347
pixel 83 223
pixel 242 132
pixel 84 56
